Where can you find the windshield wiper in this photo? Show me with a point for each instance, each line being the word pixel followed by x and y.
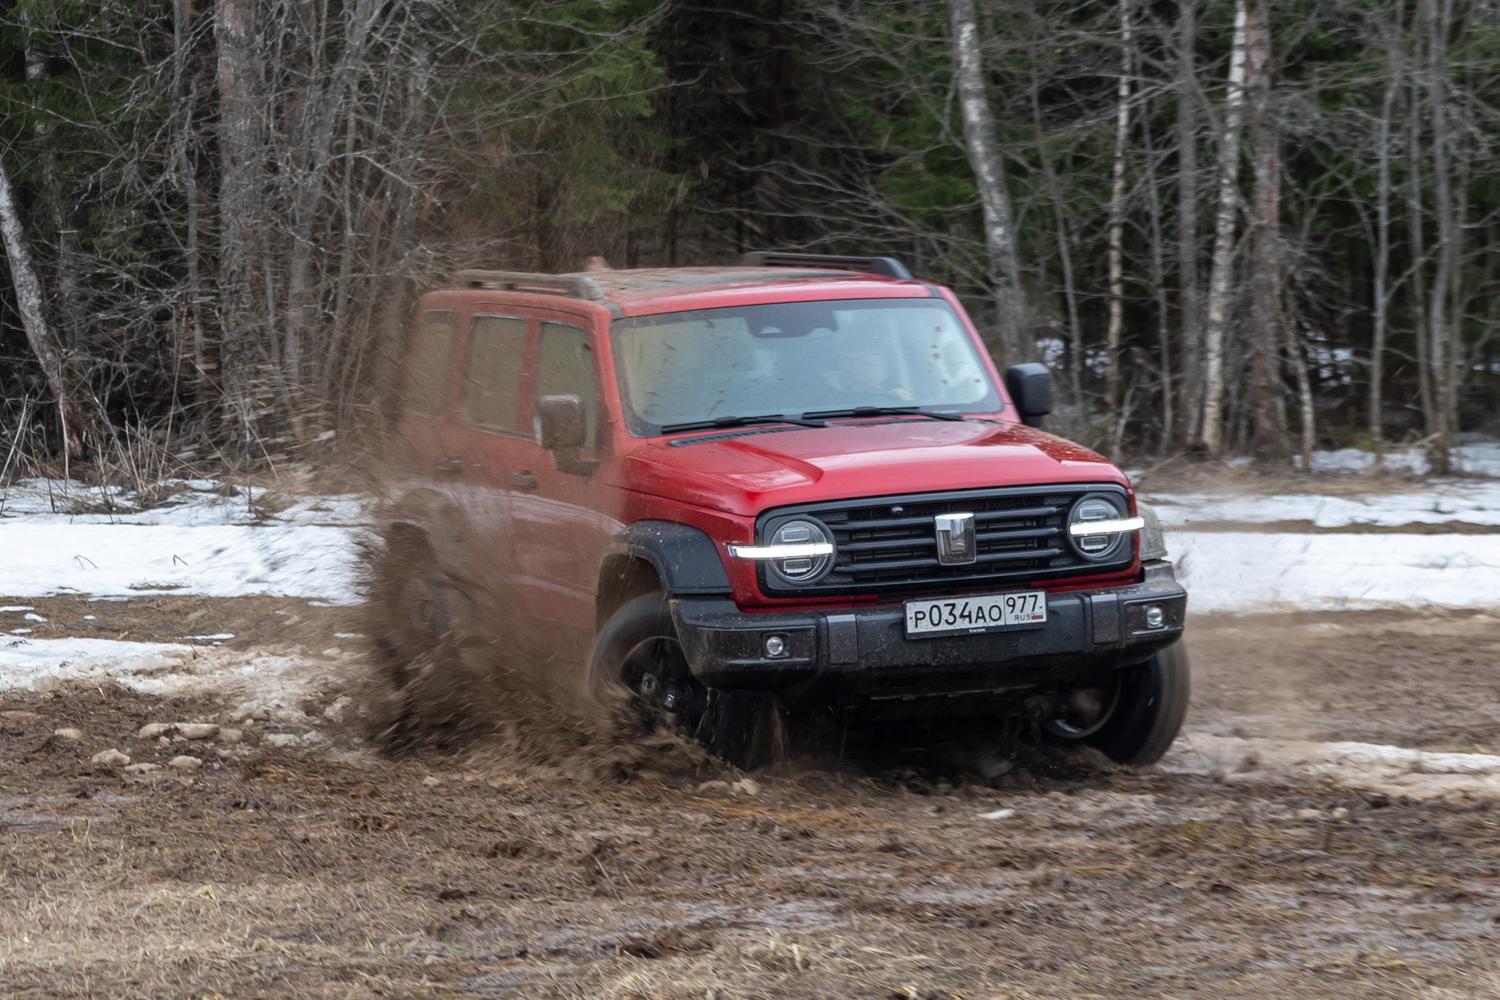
pixel 719 423
pixel 882 411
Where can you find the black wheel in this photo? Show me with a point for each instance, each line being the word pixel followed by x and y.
pixel 421 623
pixel 1134 718
pixel 638 651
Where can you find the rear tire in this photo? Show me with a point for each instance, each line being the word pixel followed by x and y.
pixel 1153 701
pixel 422 626
pixel 637 650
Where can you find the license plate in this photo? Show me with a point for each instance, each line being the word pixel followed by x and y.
pixel 971 615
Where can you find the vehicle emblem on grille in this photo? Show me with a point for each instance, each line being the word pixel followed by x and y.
pixel 955 539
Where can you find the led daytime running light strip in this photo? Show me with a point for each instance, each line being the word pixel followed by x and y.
pixel 802 550
pixel 1106 527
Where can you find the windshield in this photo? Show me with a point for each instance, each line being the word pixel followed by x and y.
pixel 797 357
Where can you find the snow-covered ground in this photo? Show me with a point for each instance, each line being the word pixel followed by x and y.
pixel 1474 502
pixel 68 538
pixel 1250 571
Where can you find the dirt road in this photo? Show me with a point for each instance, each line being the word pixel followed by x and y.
pixel 319 869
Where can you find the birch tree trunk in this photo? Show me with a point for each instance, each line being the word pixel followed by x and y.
pixel 33 320
pixel 1190 322
pixel 1117 222
pixel 986 162
pixel 1211 429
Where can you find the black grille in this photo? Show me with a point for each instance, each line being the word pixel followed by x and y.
pixel 890 543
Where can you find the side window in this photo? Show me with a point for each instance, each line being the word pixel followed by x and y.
pixel 492 373
pixel 565 367
pixel 429 364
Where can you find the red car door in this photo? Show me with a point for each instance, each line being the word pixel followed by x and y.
pixel 559 530
pixel 488 446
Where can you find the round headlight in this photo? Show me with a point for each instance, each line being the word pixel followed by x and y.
pixel 1105 545
pixel 801 569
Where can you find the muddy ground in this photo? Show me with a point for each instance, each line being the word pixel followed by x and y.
pixel 325 870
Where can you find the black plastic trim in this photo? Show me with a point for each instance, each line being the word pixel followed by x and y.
pixel 686 560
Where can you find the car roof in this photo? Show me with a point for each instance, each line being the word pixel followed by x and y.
pixel 649 290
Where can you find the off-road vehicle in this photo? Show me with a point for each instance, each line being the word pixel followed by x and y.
pixel 796 485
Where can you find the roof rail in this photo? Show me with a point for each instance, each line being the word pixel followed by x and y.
pixel 572 286
pixel 890 267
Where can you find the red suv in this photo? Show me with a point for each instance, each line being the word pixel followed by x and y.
pixel 748 493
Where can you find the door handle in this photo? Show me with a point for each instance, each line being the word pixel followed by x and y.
pixel 451 467
pixel 526 481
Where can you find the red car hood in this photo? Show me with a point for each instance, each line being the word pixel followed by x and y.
pixel 757 469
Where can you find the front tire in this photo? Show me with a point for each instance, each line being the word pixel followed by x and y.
pixel 1149 706
pixel 638 651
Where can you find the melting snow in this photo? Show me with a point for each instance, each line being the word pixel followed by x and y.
pixel 1419 774
pixel 1239 571
pixel 1475 502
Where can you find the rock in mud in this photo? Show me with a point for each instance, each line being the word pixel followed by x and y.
pixel 231 735
pixel 18 716
pixel 153 730
pixel 185 763
pixel 340 707
pixel 247 712
pixel 747 786
pixel 197 730
pixel 110 758
pixel 71 735
pixel 282 740
pixel 144 767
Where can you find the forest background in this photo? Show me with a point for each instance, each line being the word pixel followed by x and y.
pixel 1230 227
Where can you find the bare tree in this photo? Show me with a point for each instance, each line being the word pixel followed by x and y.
pixel 29 304
pixel 1437 16
pixel 1395 70
pixel 1264 234
pixel 1219 290
pixel 243 323
pixel 1190 318
pixel 986 161
pixel 1117 218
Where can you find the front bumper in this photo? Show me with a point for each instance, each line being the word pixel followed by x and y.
pixel 865 654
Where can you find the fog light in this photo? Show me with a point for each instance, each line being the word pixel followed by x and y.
pixel 775 646
pixel 1155 617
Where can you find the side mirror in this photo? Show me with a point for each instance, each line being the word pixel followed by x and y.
pixel 560 419
pixel 1030 388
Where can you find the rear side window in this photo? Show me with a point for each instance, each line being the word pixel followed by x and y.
pixel 492 373
pixel 565 367
pixel 429 363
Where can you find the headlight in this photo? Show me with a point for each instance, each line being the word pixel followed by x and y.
pixel 1099 529
pixel 815 538
pixel 798 551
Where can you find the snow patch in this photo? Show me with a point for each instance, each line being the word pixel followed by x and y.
pixel 222 561
pixel 1416 774
pixel 266 684
pixel 1241 571
pixel 1470 503
pixel 1475 454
